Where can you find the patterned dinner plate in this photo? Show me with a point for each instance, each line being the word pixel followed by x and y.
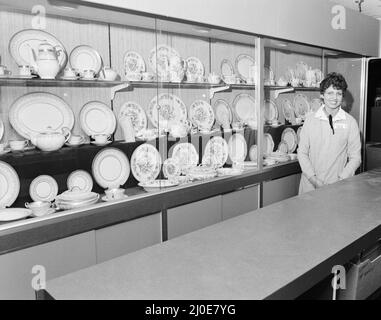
pixel 136 113
pixel 289 136
pixel 216 152
pixel 201 114
pixel 145 163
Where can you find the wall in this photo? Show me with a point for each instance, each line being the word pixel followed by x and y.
pixel 311 20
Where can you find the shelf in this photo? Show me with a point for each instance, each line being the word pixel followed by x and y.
pixel 290 87
pixel 57 83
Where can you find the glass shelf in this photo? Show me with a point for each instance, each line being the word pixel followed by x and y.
pixel 57 83
pixel 290 87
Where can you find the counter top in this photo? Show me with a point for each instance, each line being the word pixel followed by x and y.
pixel 277 252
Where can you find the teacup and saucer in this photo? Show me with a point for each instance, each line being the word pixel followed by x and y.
pixel 40 208
pixel 114 194
pixel 101 139
pixel 75 140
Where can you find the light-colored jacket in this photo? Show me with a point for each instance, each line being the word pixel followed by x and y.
pixel 330 156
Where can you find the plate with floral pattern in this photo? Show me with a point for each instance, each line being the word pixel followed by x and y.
pixel 136 113
pixel 145 163
pixel 244 107
pixel 288 110
pixel 186 155
pixel 133 63
pixel 159 59
pixel 223 113
pixel 289 136
pixel 201 114
pixel 216 152
pixel 301 105
pixel 195 67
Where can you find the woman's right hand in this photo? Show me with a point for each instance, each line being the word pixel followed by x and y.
pixel 316 182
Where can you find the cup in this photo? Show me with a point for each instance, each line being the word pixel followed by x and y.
pixel 88 74
pixel 148 76
pixel 214 78
pixel 75 139
pixel 101 138
pixel 18 145
pixel 25 70
pixel 70 73
pixel 39 208
pixel 114 194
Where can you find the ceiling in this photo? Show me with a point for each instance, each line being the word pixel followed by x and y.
pixel 368 7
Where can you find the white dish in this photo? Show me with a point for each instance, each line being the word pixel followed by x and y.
pixel 4 151
pixel 165 108
pixel 237 147
pixel 283 147
pixel 136 113
pixel 49 211
pixel 216 152
pixel 80 179
pixel 243 64
pixel 97 118
pixel 227 68
pixel 288 110
pixel 133 63
pixel 229 171
pixel 271 111
pixel 159 58
pixel 78 204
pixel 222 112
pixel 171 168
pixel 12 214
pixel 253 153
pixel 43 188
pixel 22 41
pixel 84 58
pixel 9 185
pixel 201 114
pixel 315 104
pixel 268 143
pixel 195 67
pixel 100 144
pixel 157 184
pixel 1 129
pixel 110 168
pixel 186 155
pixel 145 163
pixel 244 107
pixel 301 106
pixel 289 136
pixel 33 112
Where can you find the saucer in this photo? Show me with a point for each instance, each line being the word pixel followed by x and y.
pixel 6 150
pixel 104 198
pixel 101 143
pixel 50 211
pixel 74 145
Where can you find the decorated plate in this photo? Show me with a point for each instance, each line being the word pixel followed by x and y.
pixel 216 152
pixel 80 179
pixel 222 112
pixel 289 136
pixel 34 112
pixel 110 168
pixel 133 63
pixel 159 58
pixel 288 110
pixel 186 155
pixel 136 113
pixel 97 118
pixel 157 184
pixel 244 107
pixel 84 58
pixel 43 188
pixel 253 153
pixel 268 143
pixel 12 214
pixel 315 104
pixel 1 129
pixel 237 147
pixel 23 41
pixel 146 163
pixel 166 108
pixel 171 168
pixel 271 111
pixel 195 67
pixel 9 185
pixel 301 69
pixel 283 147
pixel 301 106
pixel 201 114
pixel 243 64
pixel 227 68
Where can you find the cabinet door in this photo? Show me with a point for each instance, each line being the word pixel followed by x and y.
pixel 129 236
pixel 239 202
pixel 193 216
pixel 280 189
pixel 57 258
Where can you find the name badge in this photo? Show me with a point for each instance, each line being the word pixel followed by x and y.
pixel 340 125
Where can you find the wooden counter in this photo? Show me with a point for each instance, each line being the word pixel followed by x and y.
pixel 277 252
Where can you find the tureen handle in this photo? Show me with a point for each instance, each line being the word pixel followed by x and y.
pixel 67 133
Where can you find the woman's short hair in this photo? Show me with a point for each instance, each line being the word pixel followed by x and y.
pixel 334 79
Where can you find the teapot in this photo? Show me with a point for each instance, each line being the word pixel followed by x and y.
pixel 108 74
pixel 51 140
pixel 45 62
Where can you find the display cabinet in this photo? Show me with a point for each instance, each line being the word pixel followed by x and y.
pixel 135 114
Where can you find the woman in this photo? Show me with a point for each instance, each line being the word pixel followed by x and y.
pixel 329 148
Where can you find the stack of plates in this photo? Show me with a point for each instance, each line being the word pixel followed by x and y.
pixel 71 199
pixel 202 173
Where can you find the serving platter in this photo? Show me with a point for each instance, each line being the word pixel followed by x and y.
pixel 237 147
pixel 166 108
pixel 289 136
pixel 12 214
pixel 97 118
pixel 22 42
pixel 186 155
pixel 145 163
pixel 133 63
pixel 110 168
pixel 80 179
pixel 243 64
pixel 216 152
pixel 222 112
pixel 244 107
pixel 136 113
pixel 9 185
pixel 271 111
pixel 43 188
pixel 84 57
pixel 201 114
pixel 34 112
pixel 159 58
pixel 301 105
pixel 195 67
